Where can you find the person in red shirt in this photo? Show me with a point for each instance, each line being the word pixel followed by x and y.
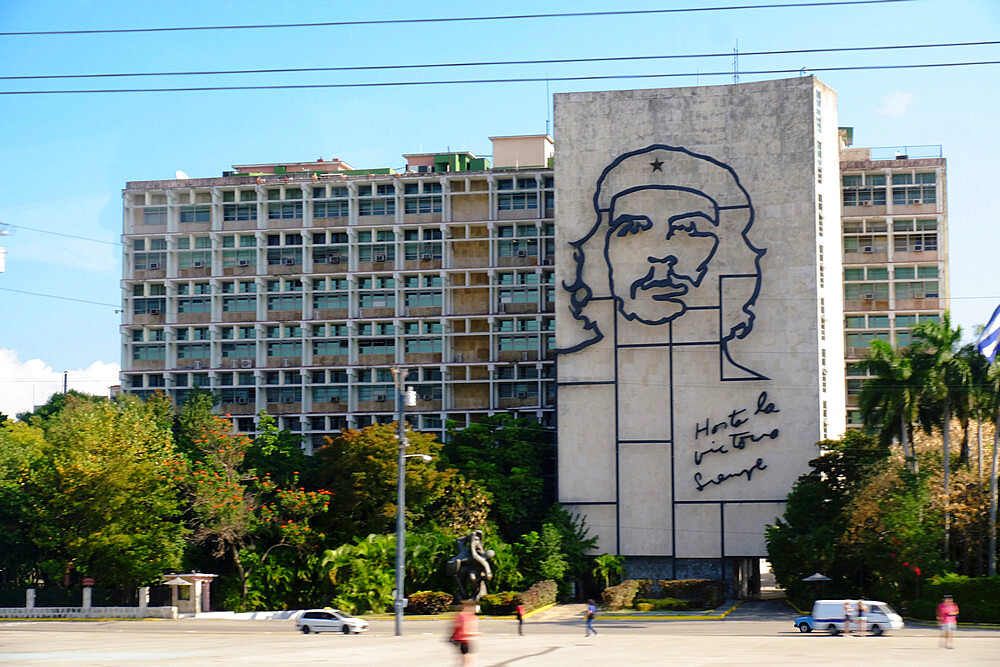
pixel 947 618
pixel 466 627
pixel 520 619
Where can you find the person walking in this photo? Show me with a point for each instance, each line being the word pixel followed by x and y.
pixel 591 612
pixel 847 618
pixel 947 618
pixel 520 619
pixel 861 618
pixel 465 628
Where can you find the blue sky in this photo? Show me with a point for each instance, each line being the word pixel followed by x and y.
pixel 67 157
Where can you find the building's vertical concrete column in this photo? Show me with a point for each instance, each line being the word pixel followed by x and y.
pixel 206 597
pixel 29 598
pixel 143 597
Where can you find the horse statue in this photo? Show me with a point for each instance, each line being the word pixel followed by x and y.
pixel 471 565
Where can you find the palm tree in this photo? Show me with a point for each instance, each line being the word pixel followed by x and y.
pixel 888 400
pixel 608 566
pixel 945 390
pixel 979 399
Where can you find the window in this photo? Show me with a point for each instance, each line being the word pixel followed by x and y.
pixel 514 343
pixel 231 350
pixel 518 390
pixel 423 346
pixel 329 394
pixel 284 348
pixel 194 351
pixel 154 216
pixel 194 305
pixel 376 206
pixel 427 204
pixel 517 201
pixel 376 346
pixel 331 209
pixel 149 306
pixel 196 213
pixel 284 210
pixel 284 302
pixel 231 212
pixel 325 346
pixel 239 304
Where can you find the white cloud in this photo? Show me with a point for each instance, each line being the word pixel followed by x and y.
pixel 25 384
pixel 896 104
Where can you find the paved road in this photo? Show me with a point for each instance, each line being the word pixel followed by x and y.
pixel 758 633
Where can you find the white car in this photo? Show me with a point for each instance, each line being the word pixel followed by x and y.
pixel 329 620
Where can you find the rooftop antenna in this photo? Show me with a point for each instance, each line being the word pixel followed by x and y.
pixel 181 176
pixel 736 62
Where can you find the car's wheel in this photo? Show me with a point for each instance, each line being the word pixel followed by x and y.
pixel 804 627
pixel 832 629
pixel 876 630
pixel 346 629
pixel 305 629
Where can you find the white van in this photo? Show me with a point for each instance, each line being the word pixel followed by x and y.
pixel 828 615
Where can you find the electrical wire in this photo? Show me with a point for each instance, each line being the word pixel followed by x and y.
pixel 64 298
pixel 381 84
pixel 68 236
pixel 493 63
pixel 456 19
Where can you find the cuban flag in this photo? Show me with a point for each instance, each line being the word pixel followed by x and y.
pixel 990 338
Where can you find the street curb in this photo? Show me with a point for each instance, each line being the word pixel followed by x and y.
pixel 534 611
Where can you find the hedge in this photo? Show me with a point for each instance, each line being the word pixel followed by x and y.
pixel 659 604
pixel 622 595
pixel 428 602
pixel 505 602
pixel 978 598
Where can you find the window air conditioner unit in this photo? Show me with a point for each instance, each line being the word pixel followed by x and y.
pixel 867 248
pixel 522 394
pixel 284 363
pixel 380 398
pixel 334 260
pixel 522 253
pixel 242 400
pixel 547 261
pixel 379 258
pixel 458 357
pixel 246 363
pixel 243 262
pixel 917 201
pixel 524 356
pixel 866 203
pixel 287 399
pixel 197 364
pixel 287 261
pixel 918 295
pixel 426 257
pixel 335 399
pixel 153 266
pixel 197 265
pixel 425 397
pixel 154 311
pixel 235 364
pixel 869 297
pixel 918 248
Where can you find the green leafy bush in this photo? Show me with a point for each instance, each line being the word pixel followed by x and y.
pixel 622 595
pixel 428 602
pixel 709 592
pixel 501 603
pixel 978 598
pixel 664 604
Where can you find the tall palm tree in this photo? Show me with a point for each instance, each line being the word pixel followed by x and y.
pixel 979 399
pixel 945 391
pixel 888 400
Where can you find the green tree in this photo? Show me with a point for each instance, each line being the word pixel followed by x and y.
pixel 514 460
pixel 101 500
pixel 21 448
pixel 888 400
pixel 806 538
pixel 608 567
pixel 542 557
pixel 279 452
pixel 359 467
pixel 945 393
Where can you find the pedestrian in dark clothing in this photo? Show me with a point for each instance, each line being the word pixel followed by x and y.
pixel 520 619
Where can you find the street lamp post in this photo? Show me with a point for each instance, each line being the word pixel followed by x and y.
pixel 403 399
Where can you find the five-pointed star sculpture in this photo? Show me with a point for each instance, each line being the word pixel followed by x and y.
pixel 656 164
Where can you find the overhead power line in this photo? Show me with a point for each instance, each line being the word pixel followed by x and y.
pixel 492 63
pixel 596 77
pixel 68 236
pixel 455 19
pixel 64 298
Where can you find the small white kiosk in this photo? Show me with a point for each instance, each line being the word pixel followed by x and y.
pixel 190 592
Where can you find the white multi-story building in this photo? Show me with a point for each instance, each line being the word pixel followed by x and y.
pixel 294 288
pixel 895 236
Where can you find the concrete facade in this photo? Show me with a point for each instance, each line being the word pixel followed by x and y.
pixel 695 370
